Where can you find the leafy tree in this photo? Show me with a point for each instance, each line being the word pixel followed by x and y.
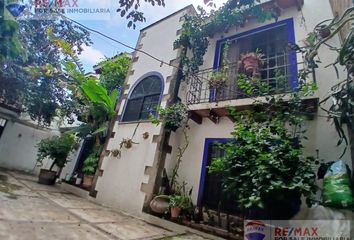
pixel 114 71
pixel 56 148
pixel 130 9
pixel 41 94
pixel 10 46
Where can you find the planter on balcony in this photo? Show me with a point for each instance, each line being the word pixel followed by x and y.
pixel 251 62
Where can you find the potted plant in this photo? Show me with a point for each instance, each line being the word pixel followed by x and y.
pixel 179 202
pixel 174 116
pixel 218 79
pixel 251 62
pixel 160 204
pixel 56 148
pixel 89 168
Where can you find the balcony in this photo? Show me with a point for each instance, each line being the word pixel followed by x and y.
pixel 206 100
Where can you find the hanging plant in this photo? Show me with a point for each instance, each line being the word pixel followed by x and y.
pixel 218 79
pixel 174 116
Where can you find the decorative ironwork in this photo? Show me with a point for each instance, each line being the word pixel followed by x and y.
pixel 278 66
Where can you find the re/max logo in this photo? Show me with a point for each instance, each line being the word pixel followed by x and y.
pixel 303 232
pixel 56 3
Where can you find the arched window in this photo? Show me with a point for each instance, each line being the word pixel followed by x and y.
pixel 144 99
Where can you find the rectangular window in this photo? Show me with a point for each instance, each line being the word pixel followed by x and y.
pixel 213 197
pixel 279 68
pixel 2 125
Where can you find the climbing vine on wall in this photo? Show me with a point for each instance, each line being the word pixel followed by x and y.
pixel 197 29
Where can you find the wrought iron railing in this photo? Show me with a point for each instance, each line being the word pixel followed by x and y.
pixel 281 66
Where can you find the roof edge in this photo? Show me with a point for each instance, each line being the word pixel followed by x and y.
pixel 171 15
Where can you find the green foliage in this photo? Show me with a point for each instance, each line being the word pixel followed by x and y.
pixel 93 105
pixel 41 94
pixel 97 94
pixel 251 86
pixel 181 201
pixel 90 164
pixel 218 78
pixel 197 29
pixel 56 148
pixel 129 10
pixel 114 71
pixel 341 95
pixel 10 46
pixel 263 161
pixel 174 116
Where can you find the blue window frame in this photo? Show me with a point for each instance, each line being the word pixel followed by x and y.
pixel 283 30
pixel 210 193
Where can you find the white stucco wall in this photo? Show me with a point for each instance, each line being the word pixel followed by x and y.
pixel 321 132
pixel 18 146
pixel 120 184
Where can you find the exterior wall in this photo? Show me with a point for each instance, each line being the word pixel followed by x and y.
pixel 18 146
pixel 321 132
pixel 125 179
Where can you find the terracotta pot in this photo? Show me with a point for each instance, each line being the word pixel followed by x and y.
pixel 47 177
pixel 88 179
pixel 175 211
pixel 159 204
pixel 250 64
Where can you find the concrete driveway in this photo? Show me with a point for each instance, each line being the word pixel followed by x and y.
pixel 37 212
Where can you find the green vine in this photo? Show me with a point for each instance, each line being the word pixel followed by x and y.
pixel 197 30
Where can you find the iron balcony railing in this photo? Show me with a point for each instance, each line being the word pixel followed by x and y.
pixel 279 73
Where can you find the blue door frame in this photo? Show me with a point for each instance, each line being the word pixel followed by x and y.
pixel 204 163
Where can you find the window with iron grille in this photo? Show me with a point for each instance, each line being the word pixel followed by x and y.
pixel 277 71
pixel 213 196
pixel 2 125
pixel 144 99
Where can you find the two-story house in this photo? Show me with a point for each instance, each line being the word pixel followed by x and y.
pixel 130 181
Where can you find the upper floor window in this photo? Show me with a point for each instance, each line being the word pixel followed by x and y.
pixel 279 68
pixel 144 99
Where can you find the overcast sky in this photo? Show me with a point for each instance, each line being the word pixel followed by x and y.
pixel 116 28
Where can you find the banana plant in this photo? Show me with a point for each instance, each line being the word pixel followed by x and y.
pixel 101 105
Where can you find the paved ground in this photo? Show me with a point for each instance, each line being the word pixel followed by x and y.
pixel 37 212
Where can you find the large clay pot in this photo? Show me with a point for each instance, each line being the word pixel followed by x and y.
pixel 47 177
pixel 250 64
pixel 88 179
pixel 159 204
pixel 175 211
